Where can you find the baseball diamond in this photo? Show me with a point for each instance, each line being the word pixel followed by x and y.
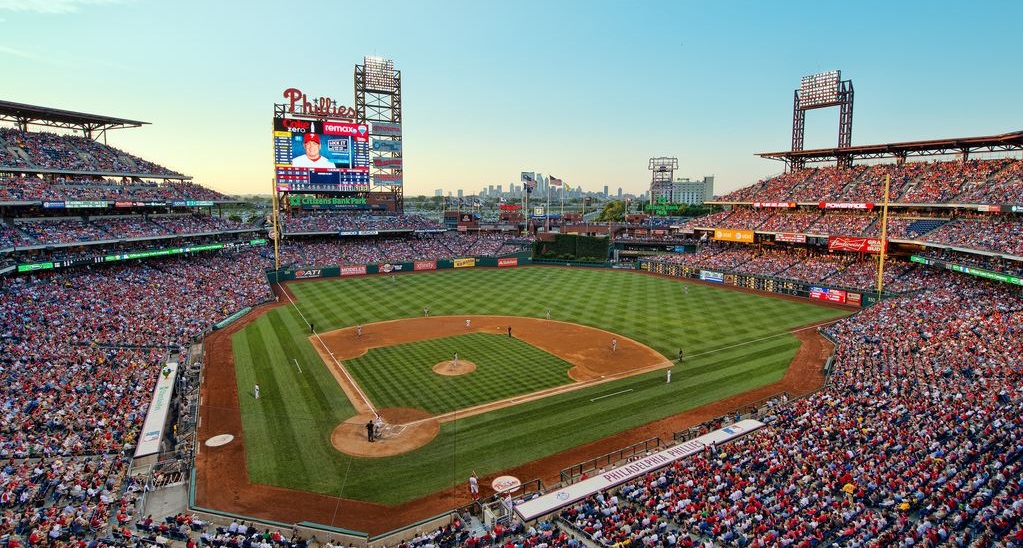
pixel 296 438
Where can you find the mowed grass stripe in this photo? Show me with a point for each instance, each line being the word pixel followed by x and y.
pixel 505 367
pixel 658 312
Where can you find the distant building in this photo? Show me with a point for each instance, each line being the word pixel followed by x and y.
pixel 438 192
pixel 685 191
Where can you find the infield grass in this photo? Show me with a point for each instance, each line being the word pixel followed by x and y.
pixel 733 341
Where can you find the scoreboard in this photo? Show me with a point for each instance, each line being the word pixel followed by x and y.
pixel 321 155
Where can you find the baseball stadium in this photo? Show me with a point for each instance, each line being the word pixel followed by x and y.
pixel 828 356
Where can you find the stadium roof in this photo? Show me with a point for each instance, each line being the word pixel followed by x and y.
pixel 936 147
pixel 24 115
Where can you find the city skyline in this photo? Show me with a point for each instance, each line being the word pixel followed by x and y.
pixel 586 91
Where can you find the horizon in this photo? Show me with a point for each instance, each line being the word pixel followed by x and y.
pixel 585 92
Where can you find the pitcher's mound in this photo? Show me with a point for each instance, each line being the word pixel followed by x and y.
pixel 404 430
pixel 449 369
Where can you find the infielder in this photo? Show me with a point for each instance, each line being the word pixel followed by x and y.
pixel 468 322
pixel 614 345
pixel 358 330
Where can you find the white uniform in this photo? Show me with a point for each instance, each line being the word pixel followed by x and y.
pixel 255 391
pixel 304 161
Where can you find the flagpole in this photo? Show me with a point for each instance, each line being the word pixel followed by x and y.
pixel 547 210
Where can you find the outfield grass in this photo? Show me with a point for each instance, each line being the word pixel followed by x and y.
pixel 733 341
pixel 402 375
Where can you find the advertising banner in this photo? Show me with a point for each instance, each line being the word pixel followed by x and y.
pixel 387 162
pixel 424 265
pixel 309 273
pixel 509 207
pixel 790 238
pixel 392 179
pixel 356 270
pixel 508 261
pixel 711 276
pixel 854 298
pixel 730 235
pixel 990 208
pixel 391 267
pixel 774 204
pixel 466 262
pixel 572 493
pixel 844 205
pixel 159 407
pixel 53 205
pixel 858 245
pixel 830 295
pixel 386 145
pixel 386 129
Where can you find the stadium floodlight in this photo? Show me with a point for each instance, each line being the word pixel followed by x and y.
pixel 379 73
pixel 819 90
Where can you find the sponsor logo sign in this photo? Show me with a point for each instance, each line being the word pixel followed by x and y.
pixel 387 129
pixel 386 146
pixel 843 205
pixel 790 237
pixel 424 265
pixel 854 298
pixel 503 484
pixel 990 208
pixel 509 207
pixel 508 261
pixel 711 276
pixel 387 162
pixel 774 204
pixel 859 245
pixel 314 273
pixel 730 235
pixel 353 270
pixel 465 262
pixel 388 267
pixel 830 295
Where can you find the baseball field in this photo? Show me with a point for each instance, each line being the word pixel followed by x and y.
pixel 530 395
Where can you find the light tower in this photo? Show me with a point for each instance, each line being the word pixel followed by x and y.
pixel 826 89
pixel 663 174
pixel 378 102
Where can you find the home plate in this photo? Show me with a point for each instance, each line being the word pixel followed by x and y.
pixel 217 441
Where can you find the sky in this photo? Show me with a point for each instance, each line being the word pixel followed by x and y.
pixel 588 91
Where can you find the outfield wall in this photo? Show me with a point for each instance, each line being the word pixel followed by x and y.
pixel 770 284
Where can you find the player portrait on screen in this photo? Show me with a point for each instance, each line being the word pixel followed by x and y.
pixel 311 158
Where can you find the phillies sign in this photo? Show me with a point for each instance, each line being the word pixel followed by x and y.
pixel 326 107
pixel 858 245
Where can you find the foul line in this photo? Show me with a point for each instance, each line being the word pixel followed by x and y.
pixel 296 365
pixel 609 395
pixel 776 335
pixel 351 381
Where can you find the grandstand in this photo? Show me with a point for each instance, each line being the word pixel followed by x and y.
pixel 115 267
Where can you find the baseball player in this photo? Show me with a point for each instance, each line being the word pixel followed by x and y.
pixel 358 330
pixel 614 345
pixel 474 485
pixel 468 322
pixel 548 313
pixel 312 158
pixel 255 391
pixel 681 355
pixel 669 376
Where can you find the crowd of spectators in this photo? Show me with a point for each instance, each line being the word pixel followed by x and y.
pixel 997 234
pixel 917 440
pixel 984 181
pixel 23 149
pixel 394 249
pixel 332 221
pixel 31 232
pixel 32 188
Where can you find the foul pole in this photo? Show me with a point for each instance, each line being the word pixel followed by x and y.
pixel 884 237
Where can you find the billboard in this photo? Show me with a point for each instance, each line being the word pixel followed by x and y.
pixel 355 270
pixel 508 261
pixel 830 295
pixel 858 245
pixel 320 153
pixel 394 163
pixel 774 204
pixel 845 205
pixel 386 146
pixel 466 262
pixel 711 276
pixel 385 129
pixel 730 235
pixel 425 265
pixel 790 238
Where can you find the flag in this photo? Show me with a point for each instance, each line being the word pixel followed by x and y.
pixel 567 188
pixel 554 181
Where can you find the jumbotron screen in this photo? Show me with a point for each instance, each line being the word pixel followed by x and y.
pixel 321 155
